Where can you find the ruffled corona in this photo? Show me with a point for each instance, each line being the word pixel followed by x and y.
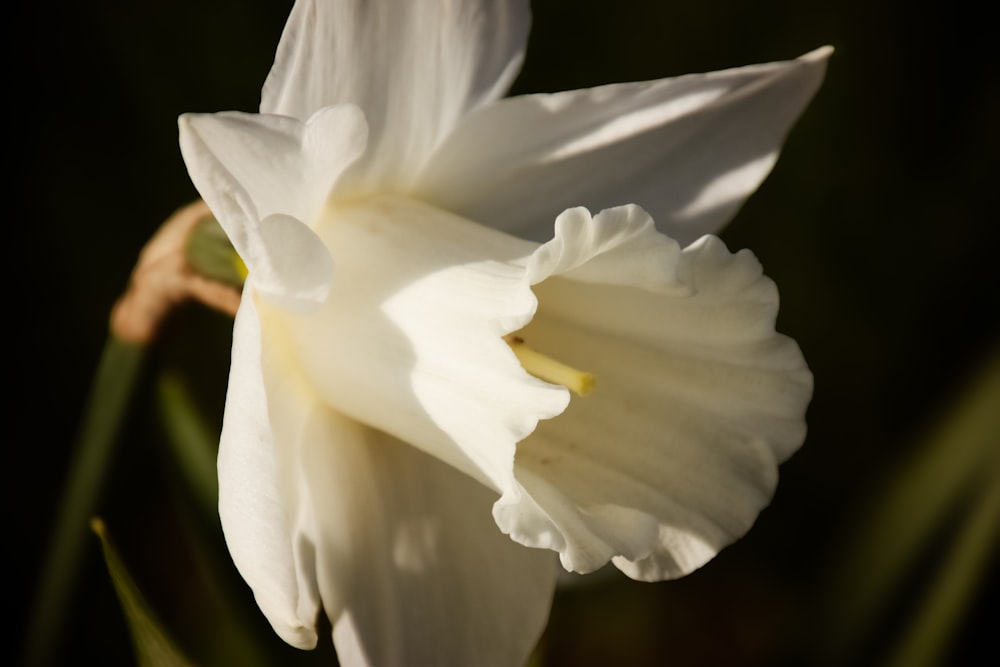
pixel 676 450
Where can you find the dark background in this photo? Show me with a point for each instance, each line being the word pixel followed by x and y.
pixel 879 225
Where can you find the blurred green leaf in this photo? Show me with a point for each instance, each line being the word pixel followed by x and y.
pixel 956 584
pixel 959 461
pixel 228 635
pixel 153 646
pixel 193 443
pixel 107 405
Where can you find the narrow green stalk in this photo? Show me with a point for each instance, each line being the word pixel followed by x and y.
pixel 107 405
pixel 193 444
pixel 953 590
pixel 228 635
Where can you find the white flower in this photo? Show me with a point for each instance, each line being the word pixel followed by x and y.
pixel 375 411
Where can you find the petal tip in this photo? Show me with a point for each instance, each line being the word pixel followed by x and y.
pixel 298 635
pixel 817 55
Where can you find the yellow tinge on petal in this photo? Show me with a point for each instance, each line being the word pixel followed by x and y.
pixel 546 368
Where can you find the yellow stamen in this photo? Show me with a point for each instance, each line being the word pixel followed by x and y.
pixel 548 369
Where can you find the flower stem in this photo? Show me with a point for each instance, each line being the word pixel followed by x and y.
pixel 107 404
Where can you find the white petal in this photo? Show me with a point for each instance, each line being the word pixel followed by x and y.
pixel 417 571
pixel 697 399
pixel 689 150
pixel 398 546
pixel 285 166
pixel 410 339
pixel 266 178
pixel 253 505
pixel 414 67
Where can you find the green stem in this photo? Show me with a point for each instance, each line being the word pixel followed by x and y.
pixel 953 591
pixel 193 444
pixel 106 407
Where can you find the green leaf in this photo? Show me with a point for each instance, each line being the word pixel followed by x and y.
pixel 950 479
pixel 228 634
pixel 193 444
pixel 107 405
pixel 153 646
pixel 955 585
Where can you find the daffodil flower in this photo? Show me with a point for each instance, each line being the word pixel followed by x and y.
pixel 399 424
